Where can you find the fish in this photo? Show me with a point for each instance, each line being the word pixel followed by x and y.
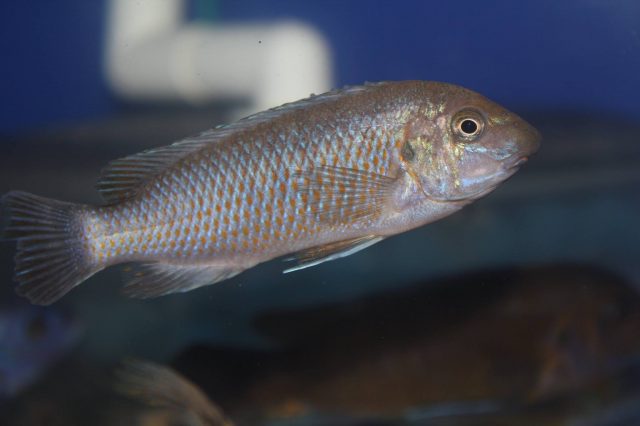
pixel 32 340
pixel 503 341
pixel 317 180
pixel 172 398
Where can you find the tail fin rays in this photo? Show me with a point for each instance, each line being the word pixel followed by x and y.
pixel 50 259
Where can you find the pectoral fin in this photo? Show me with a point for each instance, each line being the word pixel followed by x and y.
pixel 157 279
pixel 343 195
pixel 316 255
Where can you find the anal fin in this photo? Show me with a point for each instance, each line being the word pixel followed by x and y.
pixel 157 279
pixel 316 255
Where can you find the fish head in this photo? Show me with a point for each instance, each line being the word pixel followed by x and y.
pixel 32 338
pixel 460 145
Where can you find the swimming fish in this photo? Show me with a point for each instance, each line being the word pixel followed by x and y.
pixel 545 339
pixel 173 398
pixel 319 178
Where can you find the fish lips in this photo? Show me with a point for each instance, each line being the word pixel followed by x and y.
pixel 515 163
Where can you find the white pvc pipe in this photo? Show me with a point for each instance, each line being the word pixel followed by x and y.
pixel 153 56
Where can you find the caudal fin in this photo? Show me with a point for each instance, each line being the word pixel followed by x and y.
pixel 50 258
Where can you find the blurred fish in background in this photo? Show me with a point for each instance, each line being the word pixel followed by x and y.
pixel 171 399
pixel 494 342
pixel 32 340
pixel 135 393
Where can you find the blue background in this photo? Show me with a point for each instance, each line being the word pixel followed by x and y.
pixel 542 55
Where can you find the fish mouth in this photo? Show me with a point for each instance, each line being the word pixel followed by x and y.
pixel 516 163
pixel 509 170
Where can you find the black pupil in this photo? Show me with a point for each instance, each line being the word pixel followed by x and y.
pixel 469 127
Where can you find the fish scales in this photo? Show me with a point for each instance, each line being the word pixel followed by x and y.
pixel 323 177
pixel 220 181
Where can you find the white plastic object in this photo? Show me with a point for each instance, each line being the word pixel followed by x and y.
pixel 154 55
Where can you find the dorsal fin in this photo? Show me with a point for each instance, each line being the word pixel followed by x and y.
pixel 122 178
pixel 160 387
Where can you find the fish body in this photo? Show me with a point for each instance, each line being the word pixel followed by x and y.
pixel 527 340
pixel 322 178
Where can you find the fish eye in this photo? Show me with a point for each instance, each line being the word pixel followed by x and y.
pixel 468 124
